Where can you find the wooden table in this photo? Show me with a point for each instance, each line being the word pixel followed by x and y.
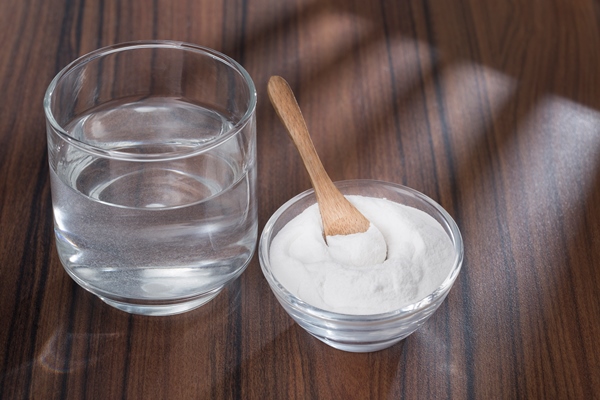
pixel 492 108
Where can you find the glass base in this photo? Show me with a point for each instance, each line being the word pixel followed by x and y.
pixel 156 309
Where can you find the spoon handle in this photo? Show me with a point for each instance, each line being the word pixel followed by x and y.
pixel 339 216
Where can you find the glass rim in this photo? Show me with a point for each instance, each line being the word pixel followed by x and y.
pixel 410 309
pixel 149 44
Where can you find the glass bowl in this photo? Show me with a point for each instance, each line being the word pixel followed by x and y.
pixel 361 333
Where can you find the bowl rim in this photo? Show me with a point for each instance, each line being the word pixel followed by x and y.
pixel 283 294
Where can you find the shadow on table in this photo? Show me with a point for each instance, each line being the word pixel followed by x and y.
pixel 79 353
pixel 296 365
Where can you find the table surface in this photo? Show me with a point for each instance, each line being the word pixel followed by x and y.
pixel 491 108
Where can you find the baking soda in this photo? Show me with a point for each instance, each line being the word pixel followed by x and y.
pixel 418 258
pixel 358 249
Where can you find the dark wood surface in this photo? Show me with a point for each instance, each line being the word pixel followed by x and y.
pixel 492 108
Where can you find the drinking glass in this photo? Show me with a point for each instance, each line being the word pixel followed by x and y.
pixel 152 153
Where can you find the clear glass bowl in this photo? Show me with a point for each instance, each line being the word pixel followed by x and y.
pixel 361 333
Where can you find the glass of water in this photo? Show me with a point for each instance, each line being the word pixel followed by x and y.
pixel 152 153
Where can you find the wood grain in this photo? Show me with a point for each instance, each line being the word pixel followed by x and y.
pixel 491 108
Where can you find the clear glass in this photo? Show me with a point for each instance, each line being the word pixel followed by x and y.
pixel 152 153
pixel 361 333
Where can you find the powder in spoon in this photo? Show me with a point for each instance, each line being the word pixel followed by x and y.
pixel 420 256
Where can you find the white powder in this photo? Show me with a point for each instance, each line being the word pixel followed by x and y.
pixel 419 258
pixel 358 249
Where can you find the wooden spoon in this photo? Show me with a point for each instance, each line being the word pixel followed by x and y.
pixel 339 216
